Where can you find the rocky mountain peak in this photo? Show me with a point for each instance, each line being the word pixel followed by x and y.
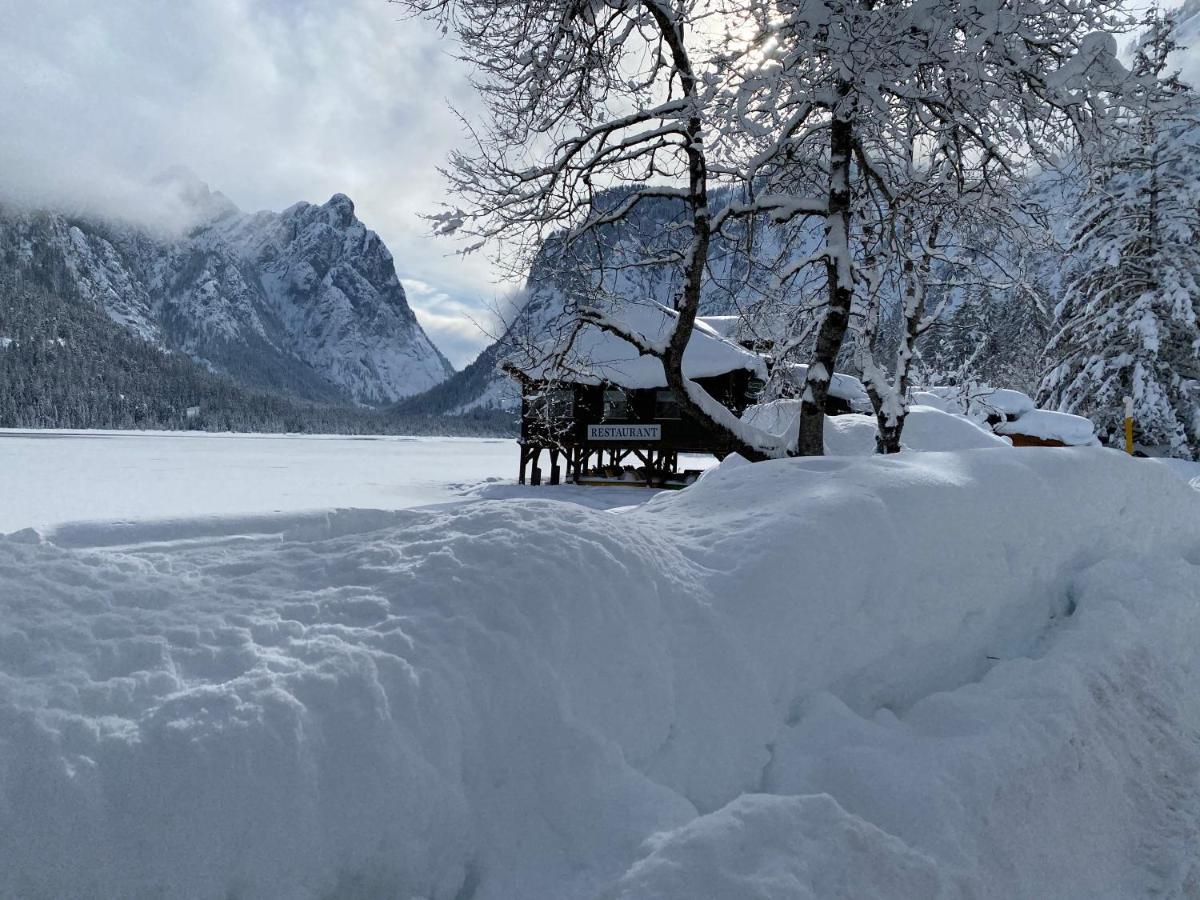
pixel 341 209
pixel 306 301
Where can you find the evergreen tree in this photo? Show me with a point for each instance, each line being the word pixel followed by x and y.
pixel 1127 322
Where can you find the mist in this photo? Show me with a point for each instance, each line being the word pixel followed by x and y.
pixel 269 102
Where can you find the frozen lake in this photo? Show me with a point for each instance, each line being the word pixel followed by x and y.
pixel 51 477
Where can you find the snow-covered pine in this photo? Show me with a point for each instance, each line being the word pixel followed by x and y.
pixel 1127 322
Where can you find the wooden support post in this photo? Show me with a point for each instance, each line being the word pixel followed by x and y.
pixel 524 460
pixel 555 471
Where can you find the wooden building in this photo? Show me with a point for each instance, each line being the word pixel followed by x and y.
pixel 602 414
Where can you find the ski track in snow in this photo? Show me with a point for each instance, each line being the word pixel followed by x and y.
pixel 959 674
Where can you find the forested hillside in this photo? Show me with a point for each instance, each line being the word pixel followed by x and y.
pixel 65 364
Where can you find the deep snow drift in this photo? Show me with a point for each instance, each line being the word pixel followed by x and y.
pixel 967 674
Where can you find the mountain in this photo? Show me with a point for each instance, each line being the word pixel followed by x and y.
pixel 304 302
pixel 66 364
pixel 611 264
pixel 997 330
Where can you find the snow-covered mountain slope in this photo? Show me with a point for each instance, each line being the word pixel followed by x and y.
pixel 612 264
pixel 943 675
pixel 305 301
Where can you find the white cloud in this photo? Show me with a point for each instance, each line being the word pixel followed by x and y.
pixel 270 101
pixel 459 328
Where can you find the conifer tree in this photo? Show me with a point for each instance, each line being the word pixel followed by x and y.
pixel 1127 322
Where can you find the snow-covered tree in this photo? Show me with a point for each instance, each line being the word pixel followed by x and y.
pixel 593 109
pixel 848 107
pixel 1127 322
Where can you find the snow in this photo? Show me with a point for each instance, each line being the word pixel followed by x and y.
pixel 1075 431
pixel 938 399
pixel 1004 401
pixel 1185 469
pixel 978 401
pixel 52 477
pixel 925 428
pixel 932 674
pixel 844 387
pixel 591 355
pixel 763 847
pixel 725 326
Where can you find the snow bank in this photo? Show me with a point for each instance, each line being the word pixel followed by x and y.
pixel 1005 402
pixel 979 401
pixel 1185 469
pixel 958 674
pixel 926 428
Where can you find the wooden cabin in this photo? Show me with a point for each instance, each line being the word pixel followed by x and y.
pixel 602 414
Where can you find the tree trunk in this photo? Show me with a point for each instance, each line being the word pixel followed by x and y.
pixel 890 422
pixel 687 304
pixel 840 278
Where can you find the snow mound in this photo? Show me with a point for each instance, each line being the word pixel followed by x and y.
pixel 1187 470
pixel 984 659
pixel 762 847
pixel 1004 402
pixel 1072 430
pixel 926 428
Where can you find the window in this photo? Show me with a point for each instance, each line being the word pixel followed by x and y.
pixel 665 405
pixel 616 405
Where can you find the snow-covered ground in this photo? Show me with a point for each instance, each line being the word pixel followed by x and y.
pixel 944 674
pixel 103 487
pixel 51 477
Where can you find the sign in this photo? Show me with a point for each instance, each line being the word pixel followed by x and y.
pixel 624 433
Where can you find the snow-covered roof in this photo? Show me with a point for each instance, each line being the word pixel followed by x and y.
pixel 593 355
pixel 1048 425
pixel 725 326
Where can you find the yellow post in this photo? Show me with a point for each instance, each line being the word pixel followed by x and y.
pixel 1129 425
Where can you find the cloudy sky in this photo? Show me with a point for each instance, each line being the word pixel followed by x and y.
pixel 269 101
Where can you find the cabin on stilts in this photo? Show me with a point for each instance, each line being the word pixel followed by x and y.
pixel 601 412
